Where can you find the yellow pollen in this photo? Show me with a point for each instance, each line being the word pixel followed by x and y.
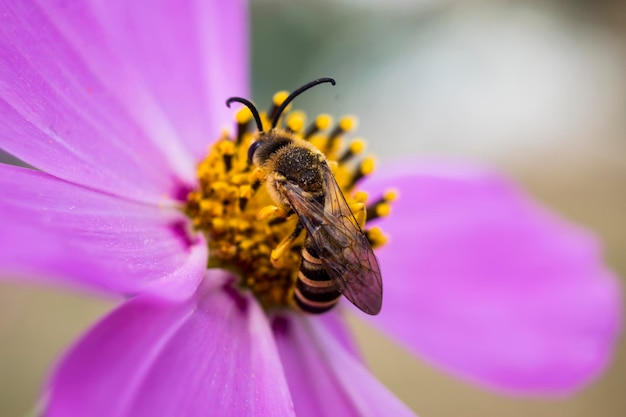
pixel 247 232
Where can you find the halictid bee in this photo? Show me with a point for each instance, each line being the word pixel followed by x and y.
pixel 336 256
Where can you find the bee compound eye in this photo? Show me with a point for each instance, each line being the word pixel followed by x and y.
pixel 252 149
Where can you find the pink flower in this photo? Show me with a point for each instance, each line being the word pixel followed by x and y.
pixel 116 102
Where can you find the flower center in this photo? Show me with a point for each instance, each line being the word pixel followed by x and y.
pixel 251 234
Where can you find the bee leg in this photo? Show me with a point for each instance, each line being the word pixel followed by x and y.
pixel 360 213
pixel 274 211
pixel 286 244
pixel 257 176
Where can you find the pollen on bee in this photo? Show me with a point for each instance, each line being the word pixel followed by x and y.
pixel 241 222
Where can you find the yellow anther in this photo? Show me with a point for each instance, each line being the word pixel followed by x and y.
pixel 367 166
pixel 211 208
pixel 280 97
pixel 243 115
pixel 265 121
pixel 323 120
pixel 383 209
pixel 228 251
pixel 355 207
pixel 376 237
pixel 240 225
pixel 245 191
pixel 360 196
pixel 347 123
pixel 264 249
pixel 219 187
pixel 357 146
pixel 296 121
pixel 360 213
pixel 239 179
pixel 218 224
pixel 202 170
pixel 194 196
pixel 247 244
pixel 227 147
pixel 205 205
pixel 391 194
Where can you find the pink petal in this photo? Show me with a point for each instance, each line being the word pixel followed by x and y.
pixel 483 282
pixel 338 328
pixel 324 378
pixel 64 232
pixel 120 96
pixel 212 355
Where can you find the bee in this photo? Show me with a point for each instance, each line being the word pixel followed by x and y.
pixel 337 258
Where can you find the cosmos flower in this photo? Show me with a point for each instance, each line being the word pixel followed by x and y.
pixel 115 105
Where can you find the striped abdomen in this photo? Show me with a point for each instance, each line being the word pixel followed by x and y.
pixel 315 292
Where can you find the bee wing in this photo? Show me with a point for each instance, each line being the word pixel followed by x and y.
pixel 342 246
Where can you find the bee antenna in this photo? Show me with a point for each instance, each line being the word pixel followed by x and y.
pixel 249 105
pixel 296 93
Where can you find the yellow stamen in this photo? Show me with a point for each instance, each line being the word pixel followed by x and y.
pixel 367 166
pixel 296 121
pixel 391 195
pixel 348 123
pixel 376 237
pixel 243 115
pixel 279 98
pixel 322 122
pixel 383 209
pixel 361 196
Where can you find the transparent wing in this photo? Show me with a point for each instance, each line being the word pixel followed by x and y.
pixel 343 248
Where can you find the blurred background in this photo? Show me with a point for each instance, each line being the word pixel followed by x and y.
pixel 537 89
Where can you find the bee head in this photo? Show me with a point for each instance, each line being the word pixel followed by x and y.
pixel 257 118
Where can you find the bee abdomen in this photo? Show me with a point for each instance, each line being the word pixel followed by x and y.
pixel 315 292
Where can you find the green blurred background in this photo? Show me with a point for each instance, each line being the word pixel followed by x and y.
pixel 536 89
